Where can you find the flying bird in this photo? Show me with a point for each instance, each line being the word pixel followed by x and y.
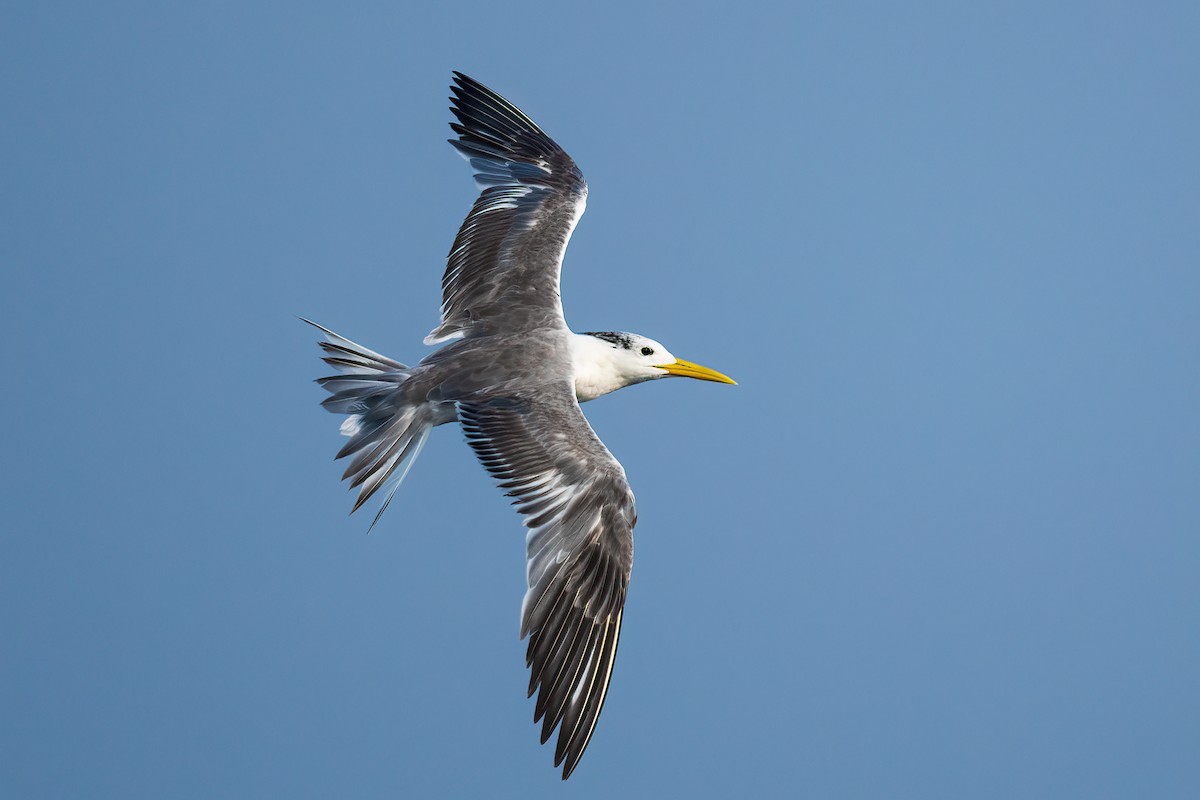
pixel 512 374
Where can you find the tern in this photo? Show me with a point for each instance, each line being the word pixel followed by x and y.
pixel 512 374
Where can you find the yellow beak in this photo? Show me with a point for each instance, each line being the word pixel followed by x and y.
pixel 686 369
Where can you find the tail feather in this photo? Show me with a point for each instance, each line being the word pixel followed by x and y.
pixel 407 461
pixel 366 469
pixel 386 429
pixel 383 468
pixel 342 349
pixel 359 435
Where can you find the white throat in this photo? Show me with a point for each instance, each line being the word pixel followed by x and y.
pixel 599 368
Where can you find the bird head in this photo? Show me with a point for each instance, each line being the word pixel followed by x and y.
pixel 636 358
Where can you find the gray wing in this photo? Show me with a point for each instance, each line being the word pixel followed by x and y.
pixel 502 271
pixel 580 513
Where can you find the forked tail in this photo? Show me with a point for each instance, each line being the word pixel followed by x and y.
pixel 386 429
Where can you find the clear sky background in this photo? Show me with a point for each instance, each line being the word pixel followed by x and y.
pixel 942 541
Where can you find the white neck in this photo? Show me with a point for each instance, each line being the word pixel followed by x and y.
pixel 598 368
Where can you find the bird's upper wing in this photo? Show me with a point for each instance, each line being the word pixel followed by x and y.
pixel 502 272
pixel 580 513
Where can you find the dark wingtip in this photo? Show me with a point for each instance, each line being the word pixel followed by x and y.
pixel 569 763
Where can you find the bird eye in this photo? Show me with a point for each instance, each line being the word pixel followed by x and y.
pixel 647 351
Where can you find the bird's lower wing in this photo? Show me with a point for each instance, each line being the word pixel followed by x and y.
pixel 580 513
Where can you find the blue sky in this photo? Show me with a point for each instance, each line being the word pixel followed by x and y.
pixel 941 541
